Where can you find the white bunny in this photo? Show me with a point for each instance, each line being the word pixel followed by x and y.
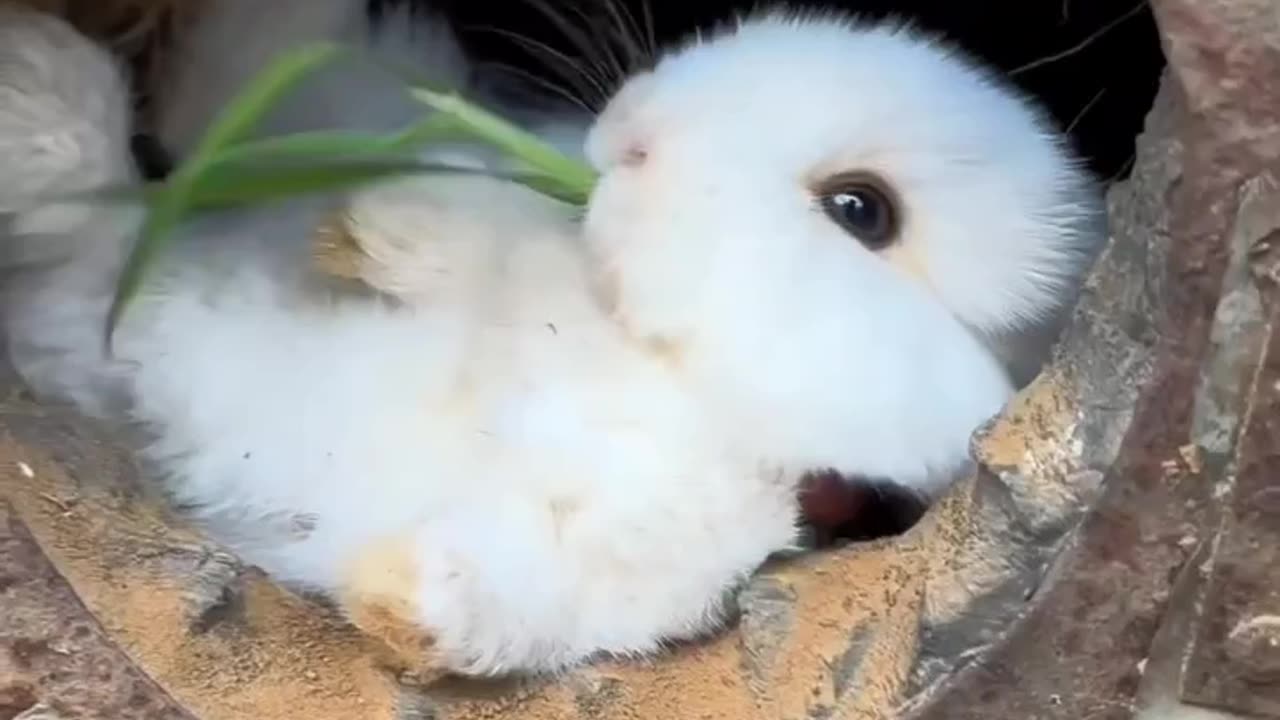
pixel 812 244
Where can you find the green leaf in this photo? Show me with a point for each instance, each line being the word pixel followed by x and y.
pixel 228 169
pixel 247 173
pixel 236 122
pixel 251 106
pixel 250 183
pixel 573 180
pixel 328 144
pixel 547 169
pixel 164 217
pixel 556 188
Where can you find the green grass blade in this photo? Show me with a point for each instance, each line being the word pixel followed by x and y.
pixel 547 169
pixel 229 169
pixel 242 184
pixel 575 179
pixel 234 175
pixel 307 145
pixel 553 187
pixel 164 217
pixel 238 185
pixel 329 144
pixel 236 122
pixel 246 112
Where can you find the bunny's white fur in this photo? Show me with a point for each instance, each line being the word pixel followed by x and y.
pixel 562 439
pixel 999 219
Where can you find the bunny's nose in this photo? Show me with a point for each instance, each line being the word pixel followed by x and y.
pixel 633 155
pixel 619 134
pixel 609 148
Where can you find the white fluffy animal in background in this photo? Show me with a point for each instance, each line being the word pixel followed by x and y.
pixel 816 245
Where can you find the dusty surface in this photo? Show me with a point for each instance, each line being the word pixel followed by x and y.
pixel 217 637
pixel 1108 561
pixel 55 652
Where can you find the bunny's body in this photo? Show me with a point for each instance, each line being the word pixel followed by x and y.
pixel 550 438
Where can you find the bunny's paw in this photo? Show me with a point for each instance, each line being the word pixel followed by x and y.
pixel 442 601
pixel 424 602
pixel 411 240
pixel 380 597
pixel 425 238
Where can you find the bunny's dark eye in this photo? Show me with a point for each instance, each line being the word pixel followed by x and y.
pixel 862 208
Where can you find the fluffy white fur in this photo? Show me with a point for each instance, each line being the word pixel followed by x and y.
pixel 583 433
pixel 1000 220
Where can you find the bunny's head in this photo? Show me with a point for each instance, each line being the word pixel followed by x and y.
pixel 829 223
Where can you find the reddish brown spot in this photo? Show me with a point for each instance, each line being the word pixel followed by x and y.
pixel 828 502
pixel 16 698
pixel 855 507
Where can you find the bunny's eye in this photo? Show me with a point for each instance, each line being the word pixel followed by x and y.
pixel 861 208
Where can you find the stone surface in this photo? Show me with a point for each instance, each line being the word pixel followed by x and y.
pixel 113 609
pixel 1171 580
pixel 57 659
